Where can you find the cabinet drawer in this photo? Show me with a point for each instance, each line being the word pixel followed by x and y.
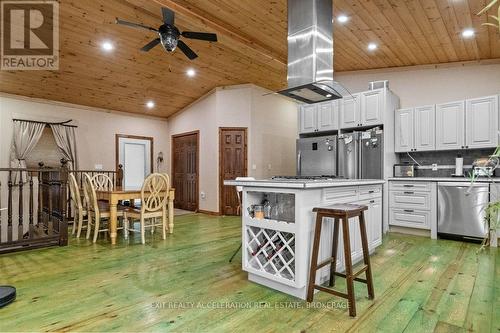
pixel 410 199
pixel 340 195
pixel 410 186
pixel 410 218
pixel 369 192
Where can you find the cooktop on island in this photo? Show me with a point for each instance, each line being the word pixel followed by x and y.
pixel 322 177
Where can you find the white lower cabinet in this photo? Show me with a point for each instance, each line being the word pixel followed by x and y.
pixel 413 205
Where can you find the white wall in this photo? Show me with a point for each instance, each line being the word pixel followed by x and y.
pixel 272 130
pixel 423 86
pixel 95 133
pixel 201 117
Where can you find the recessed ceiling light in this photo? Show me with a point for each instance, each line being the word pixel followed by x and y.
pixel 372 46
pixel 150 104
pixel 190 72
pixel 468 33
pixel 107 46
pixel 329 95
pixel 342 19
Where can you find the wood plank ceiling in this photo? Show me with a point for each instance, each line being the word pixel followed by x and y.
pixel 251 49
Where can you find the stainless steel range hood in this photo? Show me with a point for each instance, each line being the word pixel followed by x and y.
pixel 310 52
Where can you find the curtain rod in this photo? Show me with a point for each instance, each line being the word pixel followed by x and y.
pixel 64 123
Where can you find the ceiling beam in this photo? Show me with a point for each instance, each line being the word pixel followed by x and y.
pixel 222 29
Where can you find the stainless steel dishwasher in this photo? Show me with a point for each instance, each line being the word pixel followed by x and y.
pixel 461 209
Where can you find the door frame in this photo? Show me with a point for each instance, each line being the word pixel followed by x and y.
pixel 137 137
pixel 172 164
pixel 221 174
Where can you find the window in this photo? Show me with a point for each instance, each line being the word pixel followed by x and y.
pixel 45 151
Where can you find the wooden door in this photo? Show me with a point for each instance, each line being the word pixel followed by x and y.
pixel 308 119
pixel 450 128
pixel 232 164
pixel 404 130
pixel 425 128
pixel 481 122
pixel 185 170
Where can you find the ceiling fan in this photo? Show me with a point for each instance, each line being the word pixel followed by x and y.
pixel 169 35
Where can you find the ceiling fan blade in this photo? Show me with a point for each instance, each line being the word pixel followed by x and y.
pixel 168 16
pixel 186 50
pixel 150 45
pixel 134 25
pixel 200 35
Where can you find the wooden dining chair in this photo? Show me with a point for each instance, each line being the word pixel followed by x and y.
pixel 102 182
pixel 154 200
pixel 80 205
pixel 98 211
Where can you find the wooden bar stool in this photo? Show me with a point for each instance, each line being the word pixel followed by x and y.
pixel 342 212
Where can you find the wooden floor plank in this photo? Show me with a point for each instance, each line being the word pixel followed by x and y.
pixel 168 285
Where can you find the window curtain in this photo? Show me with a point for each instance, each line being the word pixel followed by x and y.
pixel 65 137
pixel 25 137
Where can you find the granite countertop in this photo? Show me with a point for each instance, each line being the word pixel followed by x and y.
pixel 303 184
pixel 445 179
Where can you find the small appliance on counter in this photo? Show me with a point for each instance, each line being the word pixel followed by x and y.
pixel 484 167
pixel 404 170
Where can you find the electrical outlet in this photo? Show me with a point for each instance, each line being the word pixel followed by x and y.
pixel 434 166
pixel 203 195
pixel 98 166
pixel 269 167
pixel 254 166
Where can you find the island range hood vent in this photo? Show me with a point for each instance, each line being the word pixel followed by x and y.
pixel 310 52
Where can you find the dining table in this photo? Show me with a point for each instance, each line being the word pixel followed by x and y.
pixel 116 195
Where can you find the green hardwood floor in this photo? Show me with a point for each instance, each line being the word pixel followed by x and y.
pixel 185 284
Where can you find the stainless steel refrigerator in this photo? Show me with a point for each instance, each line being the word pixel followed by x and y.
pixel 317 156
pixel 361 155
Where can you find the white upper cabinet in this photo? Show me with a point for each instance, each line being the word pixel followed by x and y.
pixel 450 125
pixel 481 119
pixel 372 107
pixel 404 129
pixel 308 119
pixel 350 112
pixel 319 117
pixel 425 128
pixel 328 116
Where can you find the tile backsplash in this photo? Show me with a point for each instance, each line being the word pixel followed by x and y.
pixel 444 159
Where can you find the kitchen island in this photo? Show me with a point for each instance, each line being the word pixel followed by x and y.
pixel 277 236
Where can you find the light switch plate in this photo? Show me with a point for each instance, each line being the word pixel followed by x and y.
pixel 254 166
pixel 434 167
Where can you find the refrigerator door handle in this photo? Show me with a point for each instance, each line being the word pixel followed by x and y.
pixel 299 163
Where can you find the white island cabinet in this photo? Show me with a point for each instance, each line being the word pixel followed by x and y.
pixel 276 248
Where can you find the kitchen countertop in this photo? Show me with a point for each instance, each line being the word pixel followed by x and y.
pixel 445 179
pixel 303 184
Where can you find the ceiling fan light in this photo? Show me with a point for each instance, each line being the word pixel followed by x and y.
pixel 169 42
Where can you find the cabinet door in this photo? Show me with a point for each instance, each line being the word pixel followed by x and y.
pixel 481 122
pixel 350 112
pixel 374 225
pixel 372 107
pixel 450 125
pixel 425 127
pixel 328 116
pixel 308 119
pixel 404 131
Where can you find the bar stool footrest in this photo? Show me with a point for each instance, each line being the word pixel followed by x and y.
pixel 331 291
pixel 355 279
pixel 324 263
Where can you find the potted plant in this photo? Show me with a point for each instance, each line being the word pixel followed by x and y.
pixel 496 19
pixel 492 209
